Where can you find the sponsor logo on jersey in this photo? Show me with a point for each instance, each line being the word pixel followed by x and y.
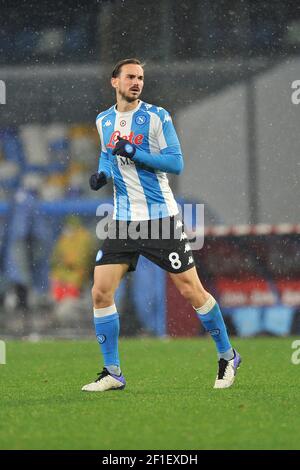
pixel 124 161
pixel 122 123
pixel 133 139
pixel 107 123
pixel 141 119
pixel 187 248
pixel 148 106
pixel 190 260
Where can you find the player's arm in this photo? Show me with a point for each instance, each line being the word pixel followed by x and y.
pixel 99 179
pixel 104 164
pixel 170 158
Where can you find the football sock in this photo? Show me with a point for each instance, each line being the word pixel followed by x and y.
pixel 107 327
pixel 115 370
pixel 211 318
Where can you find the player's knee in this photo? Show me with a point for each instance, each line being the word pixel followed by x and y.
pixel 187 290
pixel 193 292
pixel 102 296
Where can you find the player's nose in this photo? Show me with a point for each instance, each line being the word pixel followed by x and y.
pixel 135 85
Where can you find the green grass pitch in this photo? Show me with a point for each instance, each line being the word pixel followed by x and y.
pixel 169 402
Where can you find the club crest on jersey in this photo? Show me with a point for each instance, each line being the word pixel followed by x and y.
pixel 141 119
pixel 133 139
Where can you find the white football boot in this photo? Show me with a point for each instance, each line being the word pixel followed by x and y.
pixel 105 382
pixel 227 371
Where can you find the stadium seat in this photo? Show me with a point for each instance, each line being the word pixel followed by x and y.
pixel 277 320
pixel 234 293
pixel 35 144
pixel 247 320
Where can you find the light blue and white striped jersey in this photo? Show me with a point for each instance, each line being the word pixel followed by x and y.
pixel 141 192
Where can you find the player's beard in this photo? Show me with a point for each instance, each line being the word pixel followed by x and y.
pixel 129 99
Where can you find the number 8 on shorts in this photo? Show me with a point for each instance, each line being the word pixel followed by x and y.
pixel 175 261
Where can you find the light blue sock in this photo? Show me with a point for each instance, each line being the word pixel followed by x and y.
pixel 107 327
pixel 211 318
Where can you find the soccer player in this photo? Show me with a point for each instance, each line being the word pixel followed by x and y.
pixel 139 146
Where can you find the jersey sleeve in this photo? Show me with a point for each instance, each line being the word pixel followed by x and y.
pixel 104 162
pixel 170 158
pixel 166 133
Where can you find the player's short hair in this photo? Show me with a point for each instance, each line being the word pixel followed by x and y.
pixel 117 68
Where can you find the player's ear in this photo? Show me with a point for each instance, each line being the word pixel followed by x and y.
pixel 114 82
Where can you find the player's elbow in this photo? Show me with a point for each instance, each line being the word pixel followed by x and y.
pixel 178 167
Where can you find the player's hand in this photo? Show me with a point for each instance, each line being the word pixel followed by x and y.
pixel 97 180
pixel 124 148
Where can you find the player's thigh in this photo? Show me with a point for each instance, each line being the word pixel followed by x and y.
pixel 107 277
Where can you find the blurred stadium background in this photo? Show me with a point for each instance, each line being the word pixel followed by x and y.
pixel 224 69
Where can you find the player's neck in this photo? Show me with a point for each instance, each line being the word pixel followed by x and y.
pixel 123 106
